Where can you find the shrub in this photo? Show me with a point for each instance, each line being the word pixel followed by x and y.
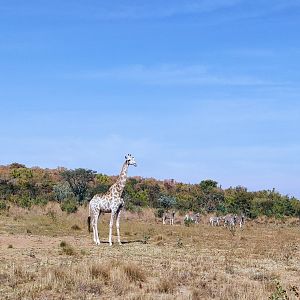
pixel 22 201
pixel 70 205
pixel 188 221
pixel 42 201
pixel 279 294
pixel 63 244
pixel 132 207
pixel 159 212
pixel 3 206
pixel 166 201
pixel 62 191
pixel 75 227
pixel 66 248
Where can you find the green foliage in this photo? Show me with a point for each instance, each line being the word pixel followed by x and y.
pixel 135 196
pixel 102 184
pixel 280 293
pixel 6 188
pixel 23 201
pixel 3 205
pixel 78 181
pixel 238 200
pixel 132 208
pixel 27 186
pixel 209 196
pixel 42 201
pixel 61 191
pixel 295 207
pixel 188 222
pixel 103 179
pixel 69 205
pixel 166 201
pixel 207 185
pixel 159 212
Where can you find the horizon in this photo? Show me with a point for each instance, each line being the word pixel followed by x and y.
pixel 194 89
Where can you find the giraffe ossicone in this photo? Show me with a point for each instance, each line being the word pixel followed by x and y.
pixel 110 202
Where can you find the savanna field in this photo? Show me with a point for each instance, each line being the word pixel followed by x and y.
pixel 46 253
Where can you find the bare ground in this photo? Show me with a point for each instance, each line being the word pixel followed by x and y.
pixel 45 254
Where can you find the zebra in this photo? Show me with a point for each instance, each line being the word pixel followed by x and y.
pixel 168 216
pixel 192 217
pixel 214 221
pixel 230 221
pixel 196 218
pixel 240 220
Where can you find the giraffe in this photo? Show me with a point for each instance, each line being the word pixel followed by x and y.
pixel 110 202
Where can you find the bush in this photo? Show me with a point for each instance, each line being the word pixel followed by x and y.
pixel 188 221
pixel 62 191
pixel 66 248
pixel 22 201
pixel 70 205
pixel 42 201
pixel 3 206
pixel 132 208
pixel 166 201
pixel 159 213
pixel 279 294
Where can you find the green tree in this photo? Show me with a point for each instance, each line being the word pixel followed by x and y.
pixel 79 180
pixel 61 191
pixel 295 203
pixel 238 200
pixel 210 197
pixel 166 201
pixel 208 184
pixel 25 181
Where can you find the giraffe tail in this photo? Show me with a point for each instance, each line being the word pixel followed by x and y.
pixel 89 220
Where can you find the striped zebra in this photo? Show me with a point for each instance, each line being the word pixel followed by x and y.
pixel 240 220
pixel 168 216
pixel 192 217
pixel 214 221
pixel 230 221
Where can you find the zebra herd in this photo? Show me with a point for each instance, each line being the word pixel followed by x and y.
pixel 229 221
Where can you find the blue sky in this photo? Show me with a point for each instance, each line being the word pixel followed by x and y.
pixel 195 89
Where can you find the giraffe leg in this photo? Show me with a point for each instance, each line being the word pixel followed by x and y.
pixel 97 235
pixel 111 223
pixel 118 226
pixel 95 228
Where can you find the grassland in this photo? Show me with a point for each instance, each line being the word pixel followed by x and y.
pixel 46 254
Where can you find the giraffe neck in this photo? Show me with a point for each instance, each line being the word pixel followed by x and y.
pixel 120 184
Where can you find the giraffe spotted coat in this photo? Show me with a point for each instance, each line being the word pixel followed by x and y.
pixel 110 202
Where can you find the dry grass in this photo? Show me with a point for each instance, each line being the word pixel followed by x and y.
pixel 56 261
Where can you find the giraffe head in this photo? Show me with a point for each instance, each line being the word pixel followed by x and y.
pixel 130 160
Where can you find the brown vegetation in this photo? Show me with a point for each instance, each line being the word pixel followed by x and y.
pixel 56 261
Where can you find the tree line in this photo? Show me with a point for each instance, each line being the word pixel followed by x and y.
pixel 25 187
